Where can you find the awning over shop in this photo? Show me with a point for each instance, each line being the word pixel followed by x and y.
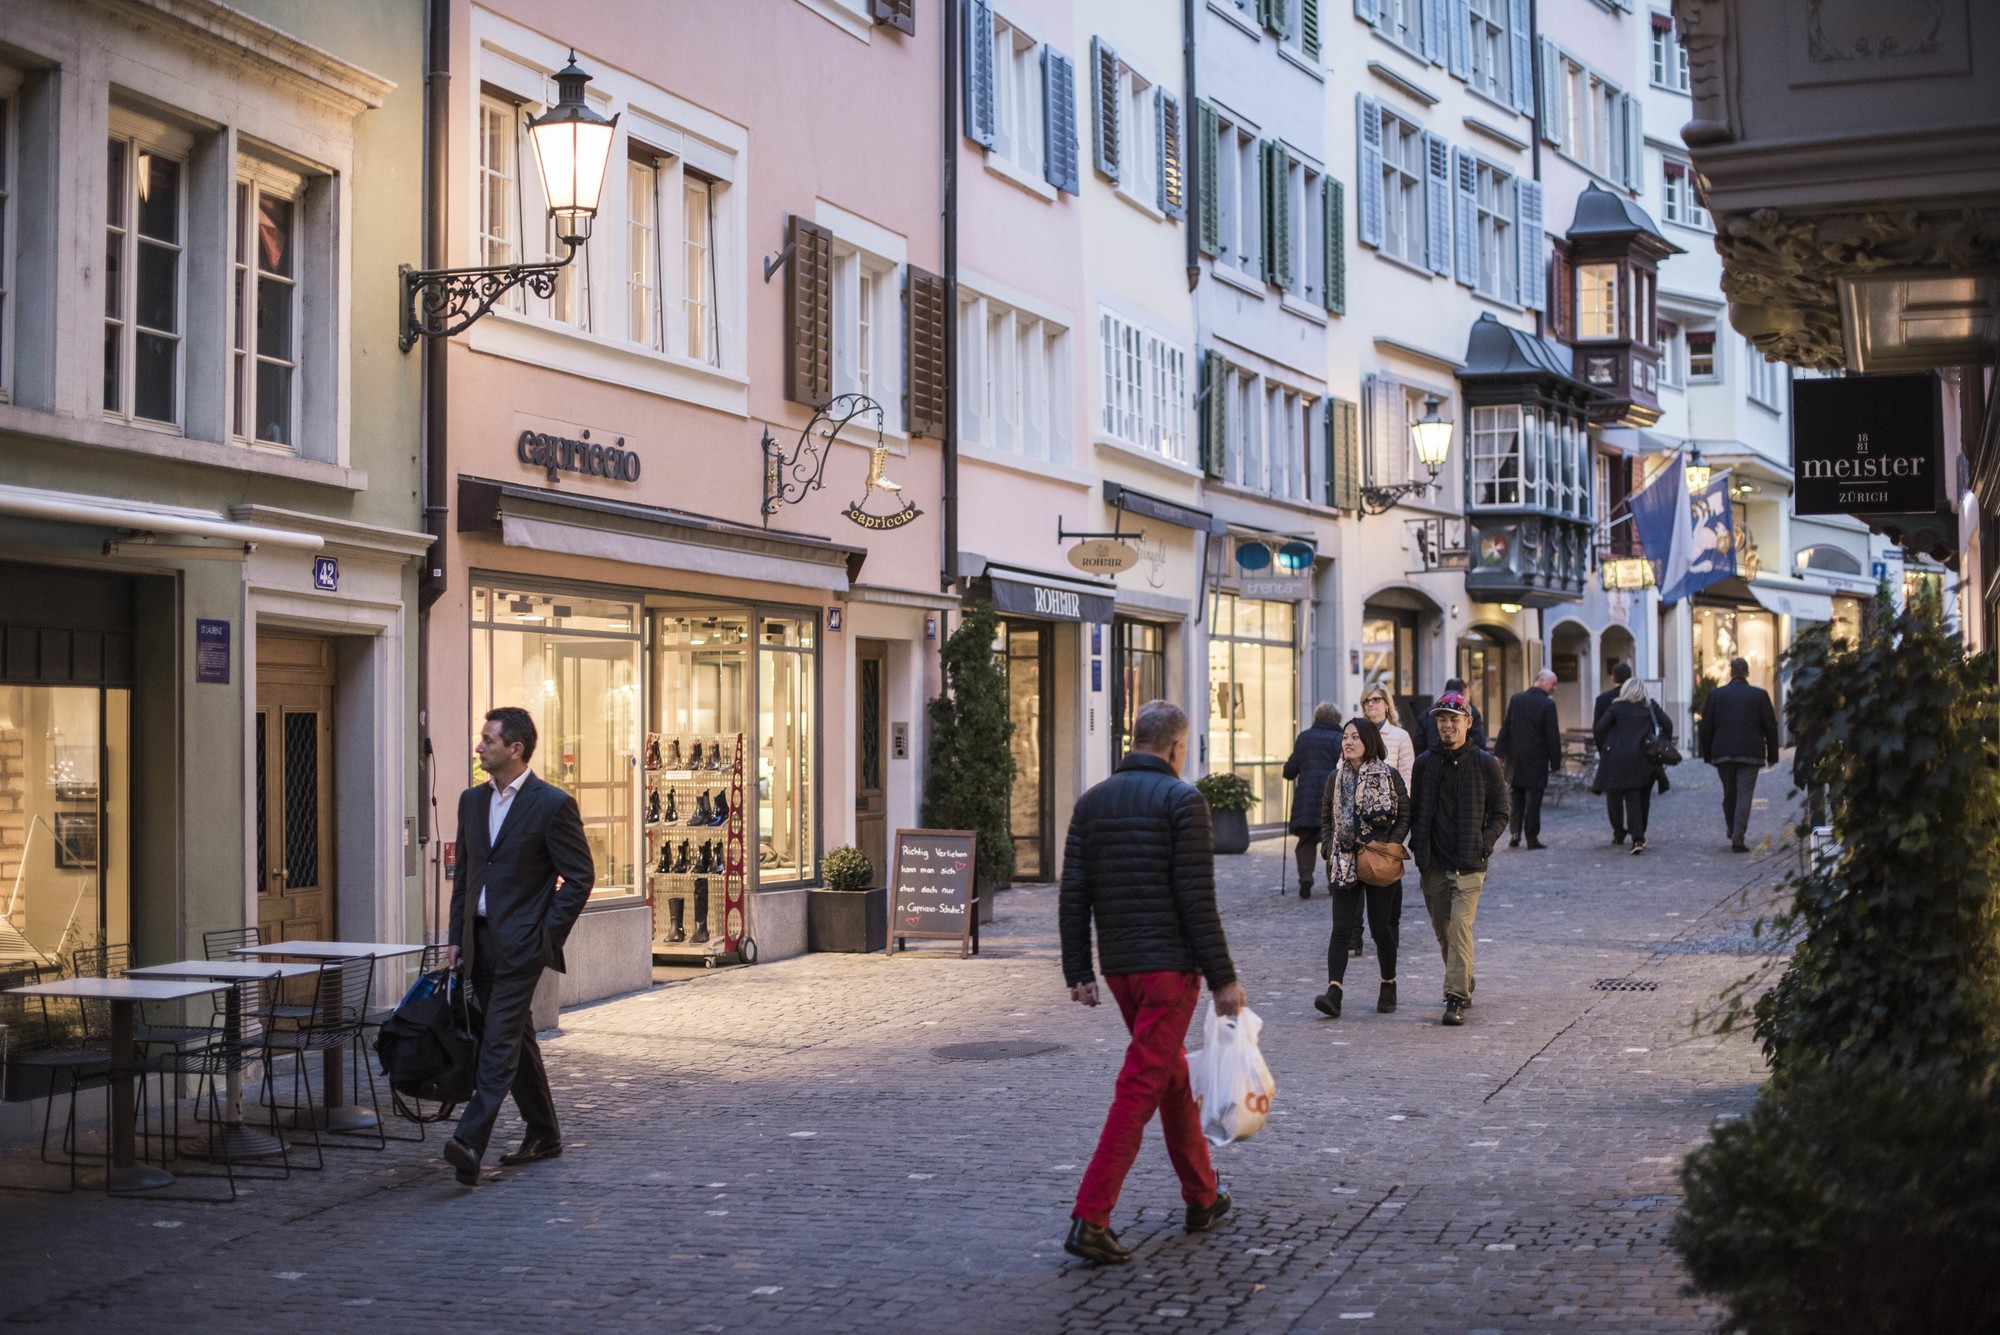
pixel 1154 507
pixel 1788 600
pixel 531 517
pixel 1031 593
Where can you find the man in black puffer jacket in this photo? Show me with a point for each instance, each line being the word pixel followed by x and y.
pixel 1458 811
pixel 1140 862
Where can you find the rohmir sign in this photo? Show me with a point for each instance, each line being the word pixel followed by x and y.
pixel 1868 445
pixel 1103 556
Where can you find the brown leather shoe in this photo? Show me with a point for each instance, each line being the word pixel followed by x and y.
pixel 532 1148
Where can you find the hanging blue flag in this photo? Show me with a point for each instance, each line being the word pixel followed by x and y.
pixel 1660 516
pixel 1712 553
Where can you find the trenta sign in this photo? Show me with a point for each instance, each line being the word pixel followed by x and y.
pixel 1868 445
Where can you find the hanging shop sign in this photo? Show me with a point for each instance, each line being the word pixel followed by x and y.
pixel 1104 556
pixel 878 458
pixel 557 455
pixel 1868 445
pixel 1049 600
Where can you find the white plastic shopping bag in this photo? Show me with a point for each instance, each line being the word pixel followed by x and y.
pixel 1229 1078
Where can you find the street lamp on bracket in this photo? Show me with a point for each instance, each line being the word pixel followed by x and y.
pixel 572 147
pixel 1431 437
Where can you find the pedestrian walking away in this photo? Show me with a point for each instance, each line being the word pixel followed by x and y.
pixel 1366 806
pixel 1614 805
pixel 1313 757
pixel 1427 733
pixel 1530 747
pixel 1739 736
pixel 523 874
pixel 1458 809
pixel 1623 767
pixel 1139 869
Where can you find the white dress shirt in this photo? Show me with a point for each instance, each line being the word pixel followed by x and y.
pixel 496 816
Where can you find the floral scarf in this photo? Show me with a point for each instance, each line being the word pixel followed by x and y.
pixel 1364 802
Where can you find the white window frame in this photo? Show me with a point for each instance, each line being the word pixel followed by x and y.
pixel 497 230
pixel 1490 56
pixel 1680 200
pixel 1308 237
pixel 256 179
pixel 142 136
pixel 1493 440
pixel 645 270
pixel 1019 98
pixel 698 192
pixel 1763 380
pixel 1713 376
pixel 1403 24
pixel 1498 210
pixel 1667 65
pixel 1142 388
pixel 1249 239
pixel 10 111
pixel 1243 429
pixel 867 329
pixel 1671 336
pixel 1009 403
pixel 1609 305
pixel 1138 149
pixel 1404 216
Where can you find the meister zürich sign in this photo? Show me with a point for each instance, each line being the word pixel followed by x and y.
pixel 1867 445
pixel 560 454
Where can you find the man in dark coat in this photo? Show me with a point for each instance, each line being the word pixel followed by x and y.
pixel 1313 757
pixel 1739 736
pixel 1139 863
pixel 1614 806
pixel 1530 746
pixel 1458 807
pixel 1620 674
pixel 524 872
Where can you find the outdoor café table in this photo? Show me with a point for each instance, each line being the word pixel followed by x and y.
pixel 338 1116
pixel 124 994
pixel 239 1140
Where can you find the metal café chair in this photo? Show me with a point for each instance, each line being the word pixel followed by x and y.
pixel 226 1053
pixel 47 1056
pixel 111 961
pixel 340 1004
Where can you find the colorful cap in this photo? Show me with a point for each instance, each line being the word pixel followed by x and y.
pixel 1451 702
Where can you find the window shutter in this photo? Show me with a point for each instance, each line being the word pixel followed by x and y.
pixel 898 14
pixel 1368 176
pixel 978 72
pixel 809 314
pixel 1465 174
pixel 1521 54
pixel 1214 423
pixel 1437 203
pixel 1552 91
pixel 927 326
pixel 1343 455
pixel 1309 29
pixel 1435 29
pixel 1105 106
pixel 1173 179
pixel 1528 232
pixel 1271 14
pixel 1333 229
pixel 1059 120
pixel 1460 19
pixel 1369 12
pixel 1386 451
pixel 1278 259
pixel 1268 257
pixel 1208 217
pixel 1635 142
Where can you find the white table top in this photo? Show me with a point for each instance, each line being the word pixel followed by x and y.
pixel 328 950
pixel 119 989
pixel 223 970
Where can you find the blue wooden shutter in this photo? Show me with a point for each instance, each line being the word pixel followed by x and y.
pixel 1171 155
pixel 1105 108
pixel 1334 229
pixel 1528 232
pixel 1465 176
pixel 1635 142
pixel 1368 176
pixel 1460 19
pixel 1521 53
pixel 1437 203
pixel 1435 29
pixel 1369 12
pixel 1059 120
pixel 1552 91
pixel 978 72
pixel 1309 29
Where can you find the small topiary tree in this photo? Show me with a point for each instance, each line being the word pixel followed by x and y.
pixel 847 868
pixel 971 768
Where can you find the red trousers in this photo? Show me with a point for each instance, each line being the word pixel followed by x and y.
pixel 1157 1008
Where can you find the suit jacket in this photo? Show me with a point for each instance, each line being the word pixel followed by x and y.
pixel 1605 699
pixel 1739 726
pixel 540 841
pixel 1530 742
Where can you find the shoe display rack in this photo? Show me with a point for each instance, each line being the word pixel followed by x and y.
pixel 695 870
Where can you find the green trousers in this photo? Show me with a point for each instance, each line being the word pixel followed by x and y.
pixel 1453 900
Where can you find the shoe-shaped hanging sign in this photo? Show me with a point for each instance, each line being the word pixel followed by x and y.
pixel 790 474
pixel 878 458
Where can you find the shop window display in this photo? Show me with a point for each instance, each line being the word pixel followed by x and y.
pixel 65 771
pixel 1253 675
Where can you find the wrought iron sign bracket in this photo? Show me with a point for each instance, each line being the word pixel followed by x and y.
pixel 790 474
pixel 1381 500
pixel 1117 534
pixel 777 261
pixel 438 303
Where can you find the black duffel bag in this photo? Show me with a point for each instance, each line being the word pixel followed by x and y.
pixel 427 1048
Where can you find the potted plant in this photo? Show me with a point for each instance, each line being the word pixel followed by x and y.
pixel 1230 798
pixel 971 767
pixel 851 914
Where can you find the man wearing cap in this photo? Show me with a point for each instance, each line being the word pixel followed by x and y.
pixel 1458 811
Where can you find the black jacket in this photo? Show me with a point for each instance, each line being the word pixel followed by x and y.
pixel 1140 862
pixel 1425 733
pixel 1739 726
pixel 1605 699
pixel 541 840
pixel 1482 804
pixel 1314 755
pixel 1621 741
pixel 1530 741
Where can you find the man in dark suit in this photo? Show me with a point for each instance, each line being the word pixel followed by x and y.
pixel 523 873
pixel 1427 730
pixel 1605 699
pixel 1530 746
pixel 1739 736
pixel 1614 805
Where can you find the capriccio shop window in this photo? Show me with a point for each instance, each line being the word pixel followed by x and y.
pixel 265 357
pixel 144 280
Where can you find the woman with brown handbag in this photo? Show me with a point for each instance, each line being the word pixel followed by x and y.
pixel 1364 818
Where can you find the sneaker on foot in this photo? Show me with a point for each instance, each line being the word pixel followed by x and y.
pixel 1638 846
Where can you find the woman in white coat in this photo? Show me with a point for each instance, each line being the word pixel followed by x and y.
pixel 1379 709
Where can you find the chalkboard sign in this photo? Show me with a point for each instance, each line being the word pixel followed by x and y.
pixel 931 889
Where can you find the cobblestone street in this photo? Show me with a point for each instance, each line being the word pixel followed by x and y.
pixel 777 1148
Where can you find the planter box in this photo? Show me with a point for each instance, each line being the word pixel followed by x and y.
pixel 849 921
pixel 1232 831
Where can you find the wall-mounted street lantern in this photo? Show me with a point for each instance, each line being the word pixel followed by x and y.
pixel 1698 471
pixel 1432 438
pixel 572 147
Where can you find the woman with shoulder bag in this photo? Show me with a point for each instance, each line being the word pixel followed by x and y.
pixel 1634 739
pixel 1365 817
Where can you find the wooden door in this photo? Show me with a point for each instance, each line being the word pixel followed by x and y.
pixel 294 749
pixel 871 753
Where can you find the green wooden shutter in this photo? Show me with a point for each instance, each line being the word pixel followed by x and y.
pixel 1334 229
pixel 1214 413
pixel 1309 29
pixel 1208 218
pixel 1343 449
pixel 1274 165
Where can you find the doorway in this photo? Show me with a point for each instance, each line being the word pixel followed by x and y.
pixel 294 780
pixel 871 794
pixel 1028 658
pixel 1138 674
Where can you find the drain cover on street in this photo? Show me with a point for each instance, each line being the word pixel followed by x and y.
pixel 1624 985
pixel 995 1050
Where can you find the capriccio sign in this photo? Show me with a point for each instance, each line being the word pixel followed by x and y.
pixel 560 454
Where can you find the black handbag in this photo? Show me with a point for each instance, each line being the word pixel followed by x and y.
pixel 427 1046
pixel 1658 748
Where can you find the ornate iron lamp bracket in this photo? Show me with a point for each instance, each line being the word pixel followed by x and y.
pixel 790 474
pixel 438 303
pixel 1381 500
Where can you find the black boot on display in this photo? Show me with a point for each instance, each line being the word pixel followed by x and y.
pixel 673 816
pixel 666 859
pixel 715 754
pixel 674 754
pixel 677 910
pixel 652 806
pixel 721 816
pixel 700 912
pixel 694 759
pixel 681 862
pixel 703 866
pixel 652 750
pixel 702 813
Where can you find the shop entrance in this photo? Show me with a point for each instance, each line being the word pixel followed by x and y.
pixel 294 748
pixel 1138 674
pixel 1489 664
pixel 871 795
pixel 1028 659
pixel 1389 658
